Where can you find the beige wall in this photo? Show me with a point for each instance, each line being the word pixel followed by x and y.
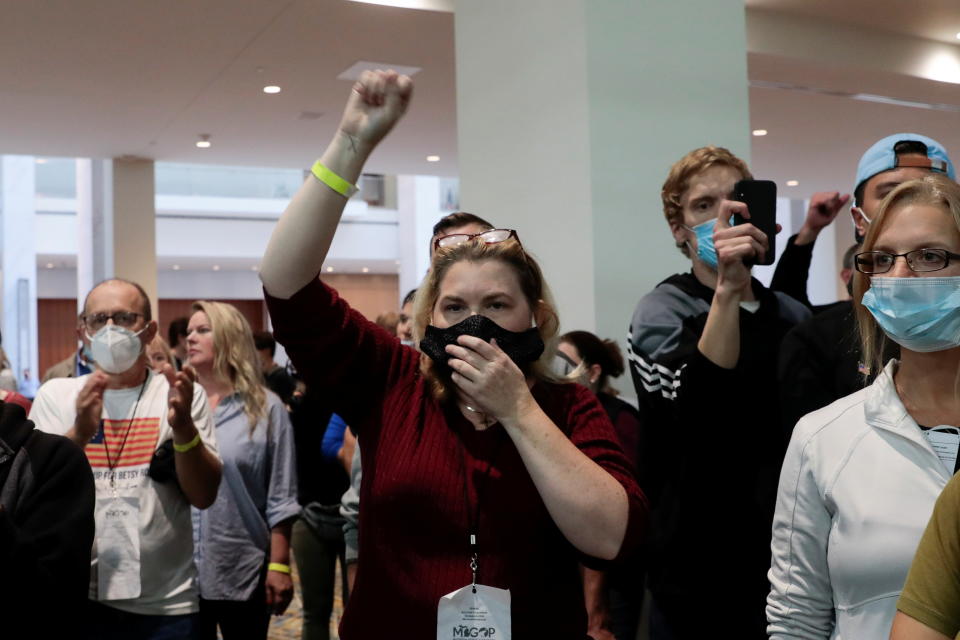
pixel 371 295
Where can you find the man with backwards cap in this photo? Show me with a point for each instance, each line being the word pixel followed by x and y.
pixel 820 358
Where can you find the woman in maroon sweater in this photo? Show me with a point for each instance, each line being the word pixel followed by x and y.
pixel 471 455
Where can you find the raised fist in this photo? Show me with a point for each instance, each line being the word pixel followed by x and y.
pixel 377 101
pixel 824 207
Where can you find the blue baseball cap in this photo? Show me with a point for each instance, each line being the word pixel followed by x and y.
pixel 881 157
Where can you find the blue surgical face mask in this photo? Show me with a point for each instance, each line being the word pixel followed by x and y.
pixel 705 249
pixel 920 314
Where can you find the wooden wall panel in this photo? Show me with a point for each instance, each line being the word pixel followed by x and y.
pixel 56 333
pixel 57 322
pixel 371 295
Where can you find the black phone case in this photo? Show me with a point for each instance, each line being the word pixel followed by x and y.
pixel 760 196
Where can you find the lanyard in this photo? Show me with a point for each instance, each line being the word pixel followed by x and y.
pixel 473 514
pixel 111 465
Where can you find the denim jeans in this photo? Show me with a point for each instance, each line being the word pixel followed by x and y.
pixel 102 622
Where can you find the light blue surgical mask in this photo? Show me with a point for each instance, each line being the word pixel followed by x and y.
pixel 919 314
pixel 706 251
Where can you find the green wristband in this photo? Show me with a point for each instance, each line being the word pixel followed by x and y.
pixel 332 180
pixel 183 448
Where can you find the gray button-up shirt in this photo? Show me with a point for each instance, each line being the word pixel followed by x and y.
pixel 258 491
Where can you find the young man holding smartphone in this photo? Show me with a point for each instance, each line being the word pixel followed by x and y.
pixel 703 349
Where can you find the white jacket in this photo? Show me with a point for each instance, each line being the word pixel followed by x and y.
pixel 857 487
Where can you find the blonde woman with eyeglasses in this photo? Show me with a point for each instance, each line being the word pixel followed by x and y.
pixel 861 476
pixel 485 481
pixel 243 540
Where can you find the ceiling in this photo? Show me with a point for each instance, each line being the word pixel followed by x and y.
pixel 931 19
pixel 131 77
pixel 817 138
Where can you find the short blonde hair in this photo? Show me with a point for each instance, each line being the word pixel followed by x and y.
pixel 235 356
pixel 532 284
pixel 678 180
pixel 934 190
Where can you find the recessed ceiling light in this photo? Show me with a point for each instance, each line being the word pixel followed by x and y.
pixel 216 267
pixel 943 66
pixel 176 267
pixel 329 269
pixel 41 161
pixel 272 88
pixel 759 132
pixel 958 36
pixel 255 268
pixel 433 158
pixel 204 141
pixel 49 265
pixel 430 5
pixel 792 183
pixel 365 270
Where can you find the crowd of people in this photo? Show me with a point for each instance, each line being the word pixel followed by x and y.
pixel 473 471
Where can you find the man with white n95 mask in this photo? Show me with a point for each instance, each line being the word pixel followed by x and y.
pixel 150 441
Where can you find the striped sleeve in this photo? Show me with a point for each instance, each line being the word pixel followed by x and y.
pixel 651 376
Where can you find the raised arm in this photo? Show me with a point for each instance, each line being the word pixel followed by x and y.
pixel 720 341
pixel 793 267
pixel 302 237
pixel 198 467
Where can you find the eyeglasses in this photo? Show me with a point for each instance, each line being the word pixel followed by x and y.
pixel 96 321
pixel 490 236
pixel 919 260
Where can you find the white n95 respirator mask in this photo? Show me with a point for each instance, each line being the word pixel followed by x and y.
pixel 115 349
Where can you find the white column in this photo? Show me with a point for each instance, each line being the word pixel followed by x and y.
pixel 418 204
pixel 17 210
pixel 523 125
pixel 570 113
pixel 135 224
pixel 94 224
pixel 116 221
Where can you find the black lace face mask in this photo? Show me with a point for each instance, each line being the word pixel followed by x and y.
pixel 523 347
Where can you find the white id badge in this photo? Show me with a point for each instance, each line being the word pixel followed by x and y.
pixel 945 442
pixel 118 548
pixel 465 614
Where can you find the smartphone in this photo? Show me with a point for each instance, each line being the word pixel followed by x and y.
pixel 760 196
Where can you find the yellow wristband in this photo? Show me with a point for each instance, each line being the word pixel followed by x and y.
pixel 332 180
pixel 183 448
pixel 281 568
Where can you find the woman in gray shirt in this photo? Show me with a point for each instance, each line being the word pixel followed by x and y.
pixel 242 542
